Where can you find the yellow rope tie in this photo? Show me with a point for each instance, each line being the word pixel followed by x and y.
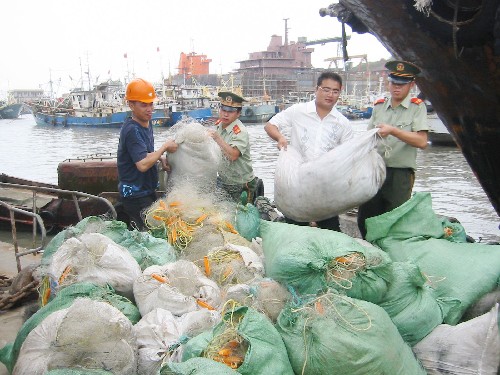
pixel 325 304
pixel 228 347
pixel 342 269
pixel 44 291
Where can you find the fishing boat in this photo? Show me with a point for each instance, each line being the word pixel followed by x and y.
pixel 103 106
pixel 438 134
pixel 457 45
pixel 10 111
pixel 184 101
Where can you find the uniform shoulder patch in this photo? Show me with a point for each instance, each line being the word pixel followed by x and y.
pixel 380 101
pixel 417 101
pixel 236 129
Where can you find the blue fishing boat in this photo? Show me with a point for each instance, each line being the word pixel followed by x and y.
pixel 104 106
pixel 182 101
pixel 10 111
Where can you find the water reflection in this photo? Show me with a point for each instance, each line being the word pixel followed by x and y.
pixel 33 152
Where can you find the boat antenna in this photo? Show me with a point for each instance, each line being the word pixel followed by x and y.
pixel 286 30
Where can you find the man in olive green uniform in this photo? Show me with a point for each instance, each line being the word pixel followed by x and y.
pixel 402 123
pixel 236 172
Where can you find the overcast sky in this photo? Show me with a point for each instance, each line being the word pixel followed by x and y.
pixel 60 39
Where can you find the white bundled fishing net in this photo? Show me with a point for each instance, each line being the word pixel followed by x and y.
pixel 192 220
pixel 178 287
pixel 95 258
pixel 161 335
pixel 87 335
pixel 233 264
pixel 471 347
pixel 197 158
pixel 266 296
pixel 336 182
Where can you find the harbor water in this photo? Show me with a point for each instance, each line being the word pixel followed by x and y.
pixel 33 152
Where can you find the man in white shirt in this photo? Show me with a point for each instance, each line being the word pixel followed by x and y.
pixel 316 128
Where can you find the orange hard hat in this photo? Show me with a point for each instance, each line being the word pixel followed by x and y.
pixel 140 90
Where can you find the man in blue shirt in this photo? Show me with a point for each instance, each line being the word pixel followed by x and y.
pixel 137 159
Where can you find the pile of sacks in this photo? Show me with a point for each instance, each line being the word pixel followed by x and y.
pixel 294 300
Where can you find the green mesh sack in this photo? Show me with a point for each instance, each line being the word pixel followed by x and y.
pixel 146 249
pixel 265 352
pixel 335 334
pixel 453 232
pixel 114 229
pixel 312 260
pixel 247 221
pixel 412 305
pixel 201 366
pixel 56 242
pixel 77 371
pixel 413 232
pixel 64 298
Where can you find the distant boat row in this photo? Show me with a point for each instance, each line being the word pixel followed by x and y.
pixel 105 106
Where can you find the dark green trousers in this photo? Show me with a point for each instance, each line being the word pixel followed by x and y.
pixel 254 188
pixel 396 190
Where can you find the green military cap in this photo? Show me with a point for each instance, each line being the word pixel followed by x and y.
pixel 229 101
pixel 402 72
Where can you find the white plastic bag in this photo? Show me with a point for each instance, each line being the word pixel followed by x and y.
pixel 335 182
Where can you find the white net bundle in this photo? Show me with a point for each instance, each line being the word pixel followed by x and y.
pixel 233 264
pixel 197 158
pixel 265 295
pixel 88 335
pixel 179 287
pixel 161 335
pixel 335 182
pixel 95 258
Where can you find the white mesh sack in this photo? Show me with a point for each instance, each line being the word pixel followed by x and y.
pixel 335 182
pixel 179 287
pixel 95 258
pixel 161 335
pixel 89 335
pixel 471 347
pixel 197 158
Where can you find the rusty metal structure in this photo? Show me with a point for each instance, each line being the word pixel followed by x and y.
pixel 457 45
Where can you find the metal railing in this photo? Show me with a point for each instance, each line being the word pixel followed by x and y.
pixel 37 221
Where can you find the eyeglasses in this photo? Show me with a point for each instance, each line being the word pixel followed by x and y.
pixel 328 90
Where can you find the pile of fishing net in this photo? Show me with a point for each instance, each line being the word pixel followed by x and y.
pixel 102 252
pixel 334 183
pixel 295 300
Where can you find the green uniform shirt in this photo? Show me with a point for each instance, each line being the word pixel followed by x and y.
pixel 240 171
pixel 408 116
